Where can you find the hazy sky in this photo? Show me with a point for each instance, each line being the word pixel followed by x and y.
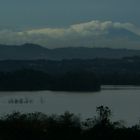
pixel 58 13
pixel 61 23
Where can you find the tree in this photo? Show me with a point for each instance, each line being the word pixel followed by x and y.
pixel 103 118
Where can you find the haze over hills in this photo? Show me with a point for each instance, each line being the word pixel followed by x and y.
pixel 32 52
pixel 101 39
pixel 89 34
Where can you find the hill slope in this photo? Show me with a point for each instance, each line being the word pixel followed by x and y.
pixel 32 52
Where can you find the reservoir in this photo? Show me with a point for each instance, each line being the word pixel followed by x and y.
pixel 124 101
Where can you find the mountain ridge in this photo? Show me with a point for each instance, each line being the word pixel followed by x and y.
pixel 32 52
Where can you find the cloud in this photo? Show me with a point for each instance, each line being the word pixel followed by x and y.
pixel 93 33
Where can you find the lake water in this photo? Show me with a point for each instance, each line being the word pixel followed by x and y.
pixel 124 101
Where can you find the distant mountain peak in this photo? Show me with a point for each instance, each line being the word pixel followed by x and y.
pixel 122 33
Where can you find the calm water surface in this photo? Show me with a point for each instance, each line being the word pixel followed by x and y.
pixel 124 102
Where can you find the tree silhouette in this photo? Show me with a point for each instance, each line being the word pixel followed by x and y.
pixel 104 114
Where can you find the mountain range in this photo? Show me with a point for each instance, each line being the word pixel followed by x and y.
pixel 33 52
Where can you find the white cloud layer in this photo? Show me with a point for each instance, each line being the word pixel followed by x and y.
pixel 93 33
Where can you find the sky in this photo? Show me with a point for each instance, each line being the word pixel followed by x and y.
pixel 23 16
pixel 58 13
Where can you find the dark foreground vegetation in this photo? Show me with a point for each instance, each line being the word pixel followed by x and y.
pixel 38 126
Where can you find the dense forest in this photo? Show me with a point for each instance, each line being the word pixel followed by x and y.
pixel 28 79
pixel 68 126
pixel 68 75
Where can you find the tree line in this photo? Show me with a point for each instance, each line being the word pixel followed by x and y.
pixel 124 71
pixel 28 79
pixel 67 126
